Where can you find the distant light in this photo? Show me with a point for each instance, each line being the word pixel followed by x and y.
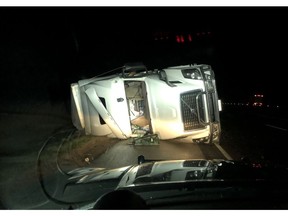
pixel 182 39
pixel 190 38
pixel 258 95
pixel 178 39
pixel 257 104
pixel 256 165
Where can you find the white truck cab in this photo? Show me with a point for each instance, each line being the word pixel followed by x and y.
pixel 173 102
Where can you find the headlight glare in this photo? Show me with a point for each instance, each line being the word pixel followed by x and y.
pixel 195 75
pixel 192 74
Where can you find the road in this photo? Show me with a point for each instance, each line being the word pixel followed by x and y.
pixel 24 185
pixel 124 153
pixel 255 133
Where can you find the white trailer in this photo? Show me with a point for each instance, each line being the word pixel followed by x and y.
pixel 173 102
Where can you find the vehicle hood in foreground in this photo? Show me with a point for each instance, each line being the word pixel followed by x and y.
pixel 179 171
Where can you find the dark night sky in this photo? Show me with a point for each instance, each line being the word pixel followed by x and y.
pixel 44 49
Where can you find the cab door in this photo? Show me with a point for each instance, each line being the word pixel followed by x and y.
pixel 115 110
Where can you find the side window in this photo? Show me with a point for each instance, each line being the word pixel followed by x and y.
pixel 102 122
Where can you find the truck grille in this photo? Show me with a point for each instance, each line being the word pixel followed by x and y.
pixel 189 110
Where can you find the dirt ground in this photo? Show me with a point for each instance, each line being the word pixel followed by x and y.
pixel 80 150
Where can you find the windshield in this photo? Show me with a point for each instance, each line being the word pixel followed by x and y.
pixel 176 109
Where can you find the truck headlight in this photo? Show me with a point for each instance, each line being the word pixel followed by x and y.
pixel 192 74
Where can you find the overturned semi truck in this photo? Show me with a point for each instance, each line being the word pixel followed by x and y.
pixel 174 102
